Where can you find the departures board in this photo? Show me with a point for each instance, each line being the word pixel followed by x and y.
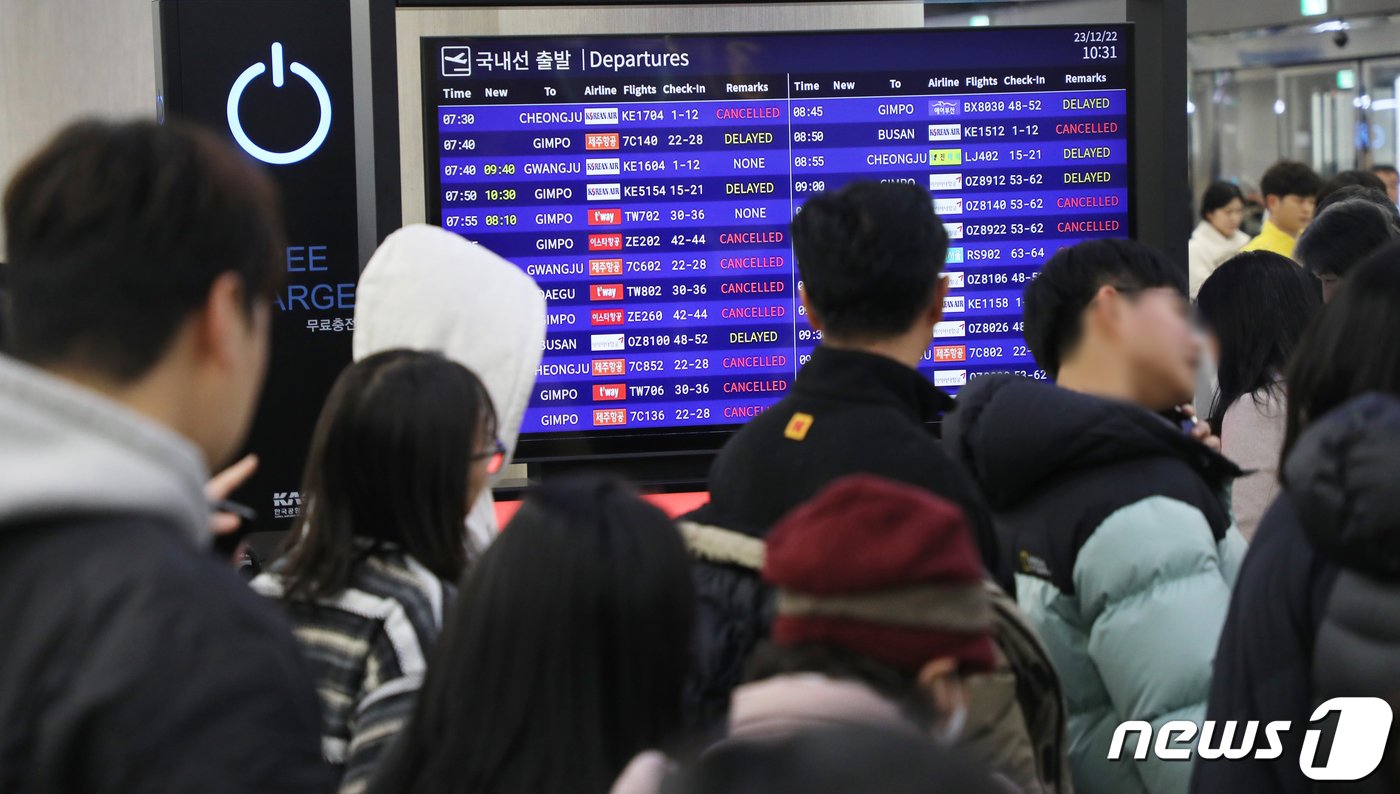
pixel 647 184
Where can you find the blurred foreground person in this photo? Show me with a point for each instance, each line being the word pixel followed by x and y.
pixel 1314 612
pixel 883 617
pixel 870 257
pixel 1391 178
pixel 1290 191
pixel 564 658
pixel 1217 237
pixel 1254 309
pixel 403 447
pixel 1344 234
pixel 430 289
pixel 1116 514
pixel 143 261
pixel 1346 179
pixel 850 759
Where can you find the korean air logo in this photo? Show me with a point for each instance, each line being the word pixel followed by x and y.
pixel 950 378
pixel 944 107
pixel 945 182
pixel 954 304
pixel 955 278
pixel 955 256
pixel 945 132
pixel 948 206
pixel 596 116
pixel 950 329
pixel 603 166
pixel 608 191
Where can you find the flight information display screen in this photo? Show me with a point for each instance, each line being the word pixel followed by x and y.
pixel 647 184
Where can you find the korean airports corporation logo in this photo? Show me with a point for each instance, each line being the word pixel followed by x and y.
pixel 1358 741
pixel 286 504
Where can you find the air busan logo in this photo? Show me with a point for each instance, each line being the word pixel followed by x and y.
pixel 1362 727
pixel 600 116
pixel 608 191
pixel 603 166
pixel 944 107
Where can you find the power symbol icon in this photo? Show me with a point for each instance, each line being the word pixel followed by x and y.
pixel 235 95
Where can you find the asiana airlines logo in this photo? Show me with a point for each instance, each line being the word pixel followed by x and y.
pixel 1358 741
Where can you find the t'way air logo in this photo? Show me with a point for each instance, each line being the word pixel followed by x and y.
pixel 798 426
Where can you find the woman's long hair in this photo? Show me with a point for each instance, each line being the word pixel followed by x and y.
pixel 390 461
pixel 565 656
pixel 1258 304
pixel 1352 349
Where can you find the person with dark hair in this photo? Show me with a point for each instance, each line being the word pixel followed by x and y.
pixel 1344 235
pixel 870 257
pixel 565 657
pixel 848 759
pixel 1116 514
pixel 1217 237
pixel 1350 192
pixel 1353 178
pixel 403 447
pixel 883 617
pixel 1313 613
pixel 1254 309
pixel 143 263
pixel 1290 191
pixel 1391 178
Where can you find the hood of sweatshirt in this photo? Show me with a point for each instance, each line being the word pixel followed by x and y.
pixel 791 703
pixel 1343 477
pixel 1014 435
pixel 67 452
pixel 429 289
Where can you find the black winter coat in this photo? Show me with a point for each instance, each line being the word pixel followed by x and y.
pixel 1316 609
pixel 134 662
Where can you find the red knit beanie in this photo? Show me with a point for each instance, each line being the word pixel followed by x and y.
pixel 884 570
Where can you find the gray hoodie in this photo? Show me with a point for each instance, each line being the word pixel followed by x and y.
pixel 68 452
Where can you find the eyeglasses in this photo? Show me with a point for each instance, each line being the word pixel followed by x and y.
pixel 495 457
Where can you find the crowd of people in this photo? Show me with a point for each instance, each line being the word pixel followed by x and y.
pixel 890 590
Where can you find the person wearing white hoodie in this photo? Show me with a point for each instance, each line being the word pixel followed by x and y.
pixel 429 289
pixel 1217 237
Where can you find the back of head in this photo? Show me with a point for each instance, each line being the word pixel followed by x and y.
pixel 116 233
pixel 1354 178
pixel 1055 301
pixel 843 760
pixel 1346 353
pixel 870 255
pixel 390 462
pixel 1290 178
pixel 1218 196
pixel 1257 304
pixel 1345 234
pixel 1367 193
pixel 566 656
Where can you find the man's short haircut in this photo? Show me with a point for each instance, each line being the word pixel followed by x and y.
pixel 1384 169
pixel 1290 178
pixel 1351 192
pixel 1346 179
pixel 870 255
pixel 1055 301
pixel 116 233
pixel 1344 235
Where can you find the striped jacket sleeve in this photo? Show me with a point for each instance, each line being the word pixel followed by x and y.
pixel 394 671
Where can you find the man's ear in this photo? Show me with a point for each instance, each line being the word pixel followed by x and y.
pixel 812 318
pixel 1271 203
pixel 224 321
pixel 939 678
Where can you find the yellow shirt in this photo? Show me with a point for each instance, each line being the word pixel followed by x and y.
pixel 1272 238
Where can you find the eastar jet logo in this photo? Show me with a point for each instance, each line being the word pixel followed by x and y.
pixel 605 242
pixel 1362 727
pixel 608 316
